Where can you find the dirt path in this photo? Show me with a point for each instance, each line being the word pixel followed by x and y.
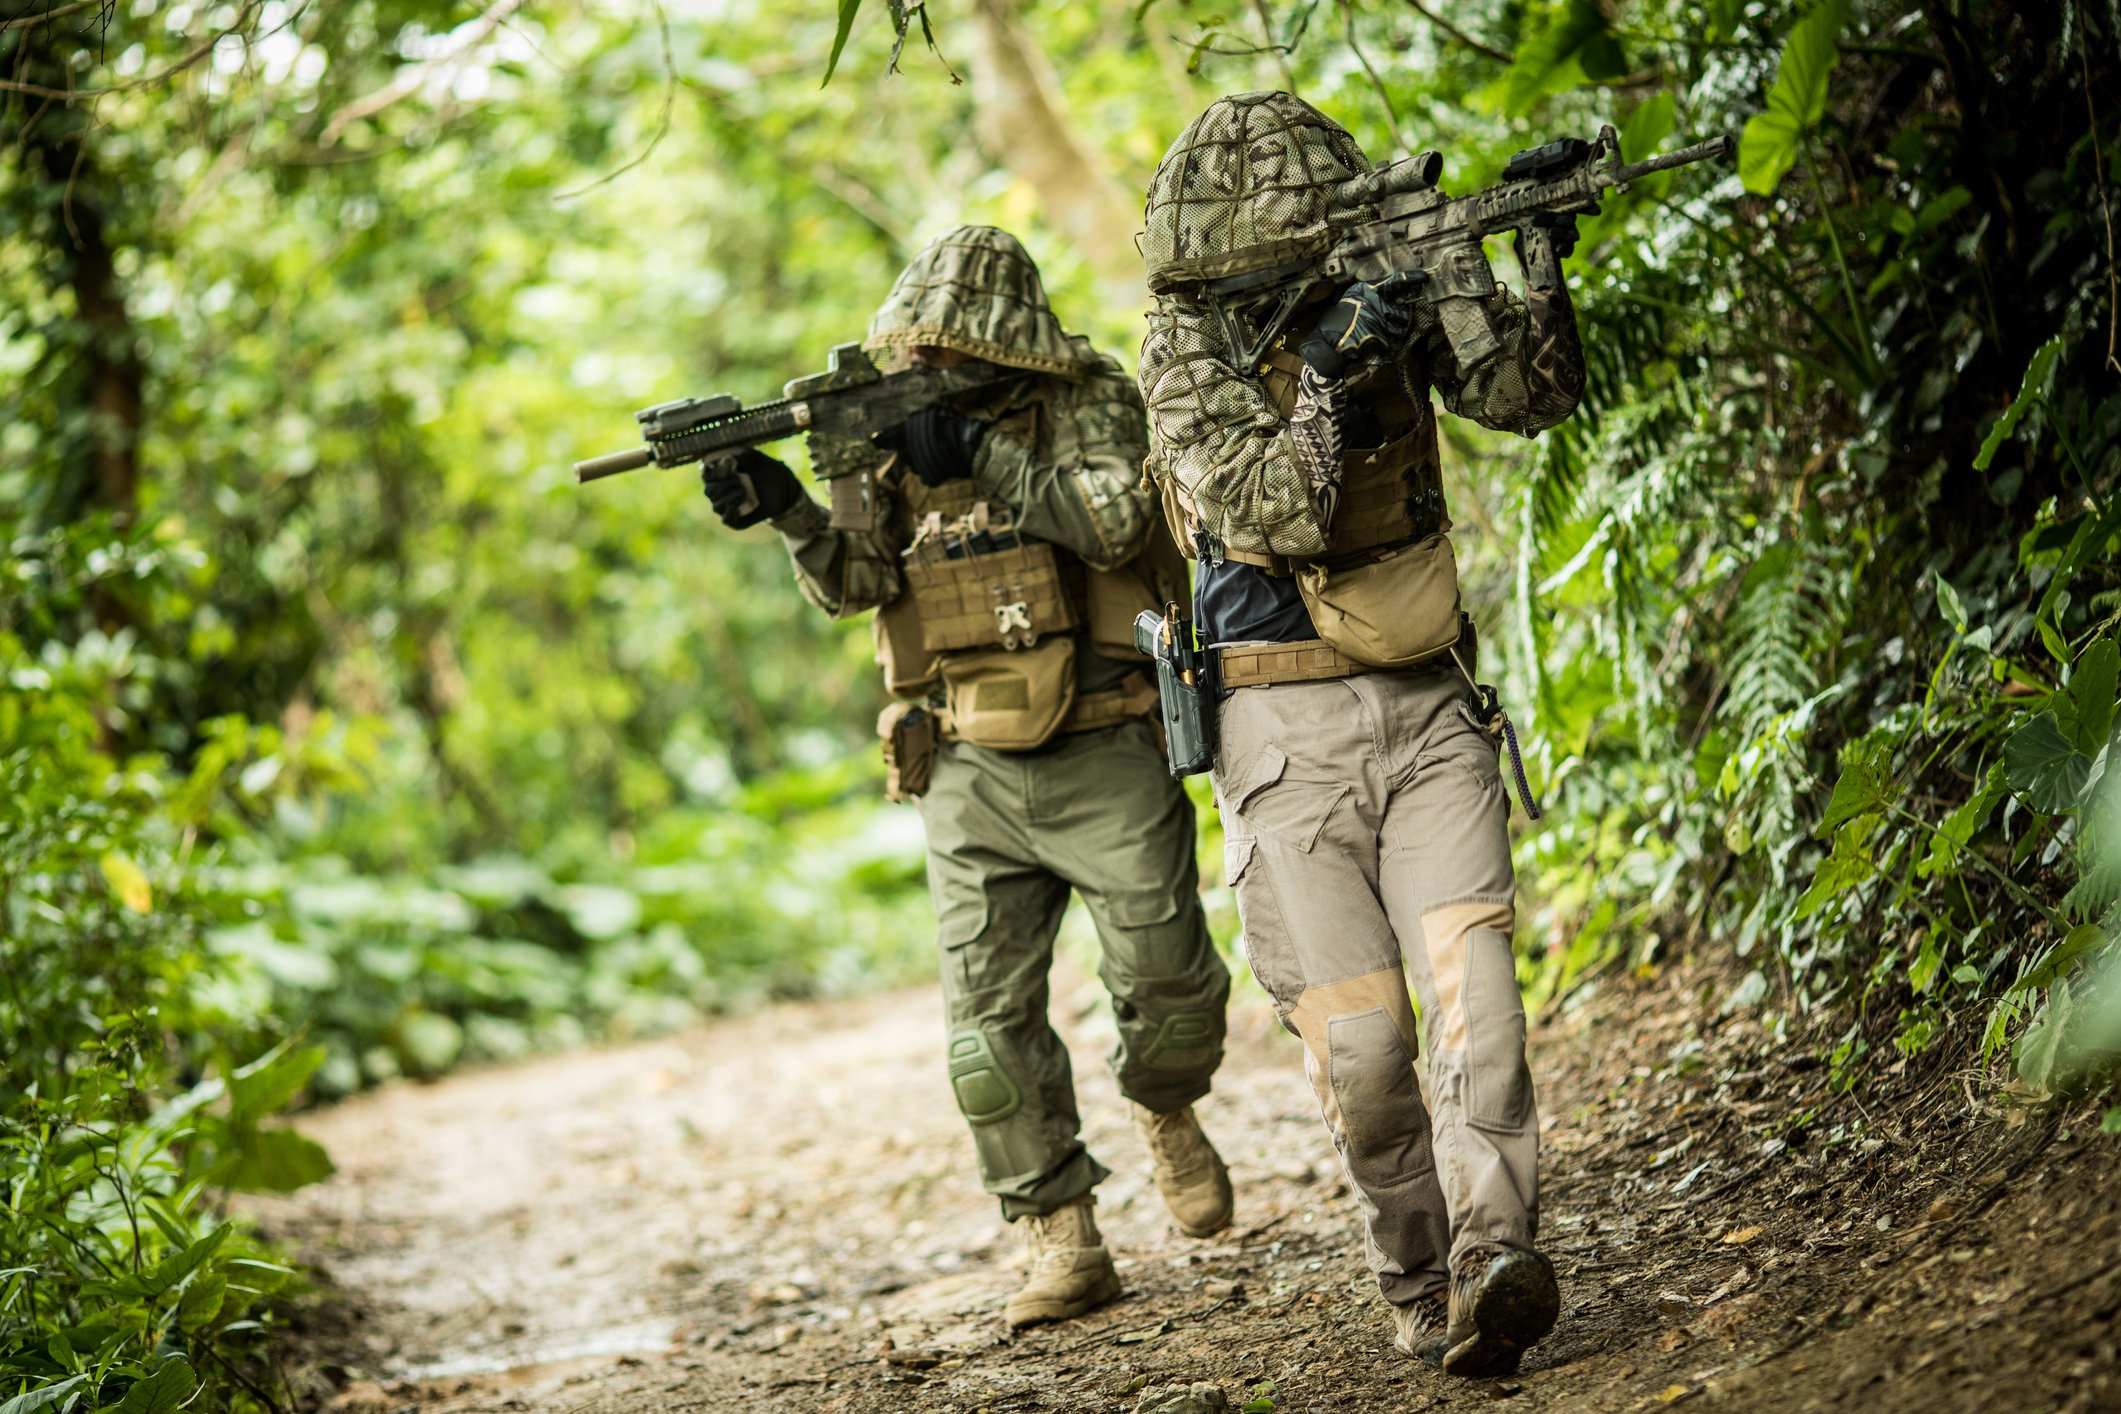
pixel 778 1213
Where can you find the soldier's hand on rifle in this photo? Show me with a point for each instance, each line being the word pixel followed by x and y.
pixel 749 487
pixel 1368 321
pixel 938 444
pixel 1544 242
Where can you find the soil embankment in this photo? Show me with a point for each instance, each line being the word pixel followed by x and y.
pixel 778 1213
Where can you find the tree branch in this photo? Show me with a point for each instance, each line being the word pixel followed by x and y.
pixel 407 81
pixel 1486 51
pixel 48 16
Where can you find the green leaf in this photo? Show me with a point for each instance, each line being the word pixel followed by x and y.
pixel 43 1397
pixel 201 1301
pixel 2030 391
pixel 265 1086
pixel 1577 43
pixel 2044 767
pixel 276 1161
pixel 1647 127
pixel 2110 1122
pixel 2039 1050
pixel 2057 961
pixel 1772 140
pixel 1848 865
pixel 1950 604
pixel 182 1263
pixel 1927 963
pixel 2091 696
pixel 1960 826
pixel 839 38
pixel 162 1392
pixel 1860 791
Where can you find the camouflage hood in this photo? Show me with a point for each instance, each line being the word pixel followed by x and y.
pixel 974 289
pixel 1251 178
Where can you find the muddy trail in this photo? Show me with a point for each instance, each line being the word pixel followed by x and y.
pixel 779 1213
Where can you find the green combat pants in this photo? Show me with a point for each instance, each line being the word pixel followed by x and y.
pixel 1009 834
pixel 1368 840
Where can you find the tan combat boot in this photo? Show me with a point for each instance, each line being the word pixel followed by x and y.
pixel 1071 1272
pixel 1189 1173
pixel 1418 1327
pixel 1502 1300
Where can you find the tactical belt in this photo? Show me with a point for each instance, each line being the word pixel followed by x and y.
pixel 1305 660
pixel 1135 697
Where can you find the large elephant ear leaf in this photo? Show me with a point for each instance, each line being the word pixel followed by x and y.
pixel 1770 145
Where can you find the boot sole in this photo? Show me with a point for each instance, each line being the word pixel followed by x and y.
pixel 1515 1307
pixel 1038 1313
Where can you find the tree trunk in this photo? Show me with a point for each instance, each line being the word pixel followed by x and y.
pixel 1023 121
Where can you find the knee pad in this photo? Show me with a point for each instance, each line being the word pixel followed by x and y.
pixel 1186 1040
pixel 985 1093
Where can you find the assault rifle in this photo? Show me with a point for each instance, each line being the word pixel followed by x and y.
pixel 1418 230
pixel 842 409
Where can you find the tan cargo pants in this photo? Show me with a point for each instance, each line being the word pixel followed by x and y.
pixel 1010 834
pixel 1367 839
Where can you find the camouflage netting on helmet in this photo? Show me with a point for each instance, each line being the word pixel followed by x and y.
pixel 975 289
pixel 1253 174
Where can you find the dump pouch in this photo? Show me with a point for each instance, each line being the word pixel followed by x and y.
pixel 909 733
pixel 1010 700
pixel 1392 611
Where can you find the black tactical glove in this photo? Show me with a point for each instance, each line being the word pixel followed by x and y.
pixel 749 487
pixel 938 444
pixel 1368 321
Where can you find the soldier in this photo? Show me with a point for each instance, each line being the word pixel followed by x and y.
pixel 1007 550
pixel 1367 830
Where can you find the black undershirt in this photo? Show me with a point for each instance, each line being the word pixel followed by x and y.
pixel 1234 603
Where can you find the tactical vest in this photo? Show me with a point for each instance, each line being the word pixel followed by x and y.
pixel 1390 495
pixel 989 624
pixel 1384 591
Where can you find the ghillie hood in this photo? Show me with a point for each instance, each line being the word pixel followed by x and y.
pixel 976 290
pixel 1252 177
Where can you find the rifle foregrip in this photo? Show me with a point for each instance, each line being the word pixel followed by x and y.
pixel 611 464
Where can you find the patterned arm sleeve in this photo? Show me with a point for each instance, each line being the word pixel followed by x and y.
pixel 842 572
pixel 1089 497
pixel 1216 434
pixel 1532 382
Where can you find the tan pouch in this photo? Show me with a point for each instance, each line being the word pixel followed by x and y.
pixel 1010 701
pixel 1392 612
pixel 1007 598
pixel 909 668
pixel 910 733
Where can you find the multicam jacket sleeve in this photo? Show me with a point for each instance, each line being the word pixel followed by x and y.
pixel 843 572
pixel 1080 485
pixel 1535 380
pixel 1216 434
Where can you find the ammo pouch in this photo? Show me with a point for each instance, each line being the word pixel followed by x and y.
pixel 1394 610
pixel 1010 700
pixel 910 732
pixel 1009 598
